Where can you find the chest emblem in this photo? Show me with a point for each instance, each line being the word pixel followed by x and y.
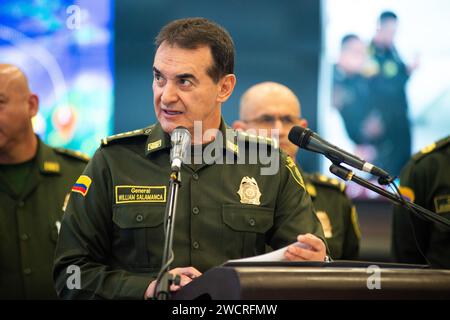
pixel 249 191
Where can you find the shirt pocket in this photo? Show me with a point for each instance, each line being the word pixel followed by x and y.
pixel 139 235
pixel 244 229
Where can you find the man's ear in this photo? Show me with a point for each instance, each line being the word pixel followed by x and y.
pixel 226 87
pixel 303 123
pixel 239 125
pixel 33 104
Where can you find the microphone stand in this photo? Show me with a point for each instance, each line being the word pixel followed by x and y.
pixel 419 211
pixel 165 279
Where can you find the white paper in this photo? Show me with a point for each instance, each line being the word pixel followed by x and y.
pixel 277 255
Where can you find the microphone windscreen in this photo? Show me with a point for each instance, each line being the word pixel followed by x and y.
pixel 298 136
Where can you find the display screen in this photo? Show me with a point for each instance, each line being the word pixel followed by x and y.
pixel 65 47
pixel 384 92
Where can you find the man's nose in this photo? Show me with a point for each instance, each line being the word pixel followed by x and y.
pixel 279 125
pixel 169 94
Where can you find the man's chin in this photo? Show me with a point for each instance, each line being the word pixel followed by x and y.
pixel 169 126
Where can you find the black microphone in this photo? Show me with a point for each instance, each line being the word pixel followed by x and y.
pixel 181 142
pixel 309 140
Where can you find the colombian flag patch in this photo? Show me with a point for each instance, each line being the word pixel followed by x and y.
pixel 407 193
pixel 82 185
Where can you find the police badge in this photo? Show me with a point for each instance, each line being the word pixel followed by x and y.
pixel 249 191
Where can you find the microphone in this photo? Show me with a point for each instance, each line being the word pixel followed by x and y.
pixel 309 140
pixel 181 142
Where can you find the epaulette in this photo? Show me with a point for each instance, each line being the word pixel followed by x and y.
pixel 72 153
pixel 140 132
pixel 431 148
pixel 320 179
pixel 255 139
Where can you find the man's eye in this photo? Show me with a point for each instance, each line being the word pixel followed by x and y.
pixel 159 79
pixel 287 119
pixel 267 118
pixel 185 83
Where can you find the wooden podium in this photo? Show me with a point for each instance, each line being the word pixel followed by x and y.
pixel 317 280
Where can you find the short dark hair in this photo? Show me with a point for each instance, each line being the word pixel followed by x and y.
pixel 191 33
pixel 347 38
pixel 386 15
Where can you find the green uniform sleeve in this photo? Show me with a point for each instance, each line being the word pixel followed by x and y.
pixel 404 246
pixel 294 210
pixel 85 242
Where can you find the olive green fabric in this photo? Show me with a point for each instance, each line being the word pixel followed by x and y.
pixel 28 228
pixel 16 175
pixel 425 179
pixel 337 215
pixel 115 232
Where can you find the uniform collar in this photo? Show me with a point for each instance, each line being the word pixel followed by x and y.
pixel 310 188
pixel 159 140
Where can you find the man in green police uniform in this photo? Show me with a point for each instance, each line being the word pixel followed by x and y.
pixel 389 76
pixel 112 231
pixel 270 105
pixel 425 180
pixel 35 181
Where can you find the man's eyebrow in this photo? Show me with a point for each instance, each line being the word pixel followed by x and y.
pixel 178 76
pixel 156 71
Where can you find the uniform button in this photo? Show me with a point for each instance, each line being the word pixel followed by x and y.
pixel 27 271
pixel 195 210
pixel 196 245
pixel 139 218
pixel 21 204
pixel 195 176
pixel 252 222
pixel 24 237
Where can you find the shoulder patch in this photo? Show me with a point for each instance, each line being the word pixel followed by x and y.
pixel 431 148
pixel 139 132
pixel 320 179
pixel 251 138
pixel 73 153
pixel 407 193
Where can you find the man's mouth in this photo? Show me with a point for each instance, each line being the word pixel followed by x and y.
pixel 171 112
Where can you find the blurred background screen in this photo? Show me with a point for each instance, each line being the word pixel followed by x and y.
pixel 65 47
pixel 376 98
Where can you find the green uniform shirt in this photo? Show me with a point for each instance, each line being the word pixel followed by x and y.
pixel 337 215
pixel 425 180
pixel 114 232
pixel 30 221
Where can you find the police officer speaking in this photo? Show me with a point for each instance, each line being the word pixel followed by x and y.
pixel 113 230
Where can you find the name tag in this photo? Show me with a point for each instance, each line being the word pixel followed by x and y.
pixel 132 194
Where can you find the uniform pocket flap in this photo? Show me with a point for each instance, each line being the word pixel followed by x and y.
pixel 247 218
pixel 138 216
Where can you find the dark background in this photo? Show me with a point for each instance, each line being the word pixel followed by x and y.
pixel 275 41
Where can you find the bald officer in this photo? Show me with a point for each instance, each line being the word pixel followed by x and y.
pixel 271 105
pixel 35 181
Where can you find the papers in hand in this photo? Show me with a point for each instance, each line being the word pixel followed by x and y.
pixel 277 255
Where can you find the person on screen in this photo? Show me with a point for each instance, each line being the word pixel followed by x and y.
pixel 270 105
pixel 113 229
pixel 35 181
pixel 425 180
pixel 388 95
pixel 352 97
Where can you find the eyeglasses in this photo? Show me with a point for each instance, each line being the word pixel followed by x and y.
pixel 268 119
